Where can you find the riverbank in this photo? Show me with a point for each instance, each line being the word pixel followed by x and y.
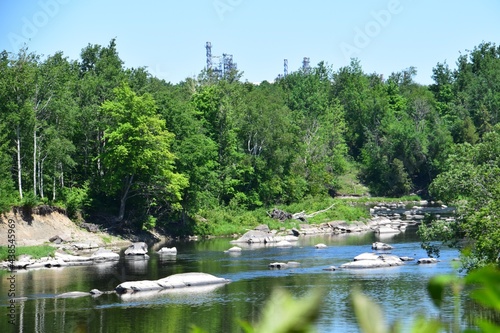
pixel 49 225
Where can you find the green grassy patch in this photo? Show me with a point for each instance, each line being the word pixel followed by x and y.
pixel 375 200
pixel 340 210
pixel 226 221
pixel 349 184
pixel 107 239
pixel 36 252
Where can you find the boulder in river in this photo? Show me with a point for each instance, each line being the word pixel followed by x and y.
pixel 427 261
pixel 73 294
pixel 168 250
pixel 381 246
pixel 278 265
pixel 386 230
pixel 234 249
pixel 372 260
pixel 366 256
pixel 183 280
pixel 330 268
pixel 139 248
pixel 104 255
pixel 258 236
pixel 320 246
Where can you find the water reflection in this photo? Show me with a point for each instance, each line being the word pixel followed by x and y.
pixel 167 295
pixel 220 308
pixel 166 257
pixel 137 264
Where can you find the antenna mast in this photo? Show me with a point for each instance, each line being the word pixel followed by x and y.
pixel 208 46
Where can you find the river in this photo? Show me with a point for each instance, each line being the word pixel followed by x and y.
pixel 400 291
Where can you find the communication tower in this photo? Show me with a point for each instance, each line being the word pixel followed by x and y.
pixel 228 63
pixel 305 64
pixel 219 65
pixel 208 46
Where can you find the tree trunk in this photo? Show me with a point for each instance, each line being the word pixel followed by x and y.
pixel 124 197
pixel 40 175
pixel 19 171
pixel 34 161
pixel 54 188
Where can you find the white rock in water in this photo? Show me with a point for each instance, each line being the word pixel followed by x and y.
pixel 183 280
pixel 284 243
pixel 366 256
pixel 168 250
pixel 331 268
pixel 383 260
pixel 381 246
pixel 234 249
pixel 139 248
pixel 277 265
pixel 105 255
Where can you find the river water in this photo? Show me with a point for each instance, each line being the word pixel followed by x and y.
pixel 400 291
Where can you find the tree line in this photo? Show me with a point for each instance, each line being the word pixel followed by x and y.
pixel 95 136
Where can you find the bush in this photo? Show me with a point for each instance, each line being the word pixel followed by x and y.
pixel 76 199
pixel 150 223
pixel 29 201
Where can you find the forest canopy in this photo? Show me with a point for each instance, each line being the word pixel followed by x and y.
pixel 95 136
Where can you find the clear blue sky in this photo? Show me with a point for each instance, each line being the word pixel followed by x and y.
pixel 169 36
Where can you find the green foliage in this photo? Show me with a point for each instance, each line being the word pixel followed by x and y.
pixel 76 200
pixel 471 182
pixel 340 210
pixel 349 183
pixel 224 221
pixel 7 194
pixel 283 313
pixel 146 147
pixel 137 157
pixel 149 223
pixel 29 201
pixel 35 252
pixel 294 315
pixel 485 291
pixel 435 233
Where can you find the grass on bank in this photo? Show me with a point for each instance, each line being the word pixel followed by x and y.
pixel 225 221
pixel 35 252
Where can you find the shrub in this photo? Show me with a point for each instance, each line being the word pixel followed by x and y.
pixel 76 199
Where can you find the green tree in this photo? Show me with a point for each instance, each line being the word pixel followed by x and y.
pixel 55 125
pixel 19 78
pixel 217 105
pixel 321 149
pixel 196 150
pixel 7 197
pixel 137 157
pixel 471 182
pixel 100 71
pixel 267 135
